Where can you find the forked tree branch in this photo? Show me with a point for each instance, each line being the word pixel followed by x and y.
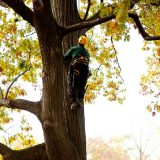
pixel 4 151
pixel 142 31
pixel 20 8
pixel 37 152
pixel 88 24
pixel 33 107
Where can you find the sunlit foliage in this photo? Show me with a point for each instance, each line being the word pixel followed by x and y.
pixel 150 81
pixel 104 52
pixel 19 52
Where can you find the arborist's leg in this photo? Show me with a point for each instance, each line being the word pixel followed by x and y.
pixel 38 4
pixel 81 91
pixel 82 83
pixel 72 89
pixel 74 104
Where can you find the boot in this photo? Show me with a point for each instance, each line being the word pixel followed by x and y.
pixel 74 105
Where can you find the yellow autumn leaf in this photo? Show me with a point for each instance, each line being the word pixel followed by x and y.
pixel 5 120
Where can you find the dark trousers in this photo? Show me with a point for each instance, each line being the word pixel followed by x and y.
pixel 77 79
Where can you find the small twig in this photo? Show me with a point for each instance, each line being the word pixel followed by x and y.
pixel 30 34
pixel 14 82
pixel 117 58
pixel 98 69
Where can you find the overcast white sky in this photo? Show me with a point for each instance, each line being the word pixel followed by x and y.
pixel 106 119
pixel 113 118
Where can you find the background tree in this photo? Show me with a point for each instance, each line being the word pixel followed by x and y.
pixel 150 80
pixel 139 147
pixel 98 149
pixel 58 25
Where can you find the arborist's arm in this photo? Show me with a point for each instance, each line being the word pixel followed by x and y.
pixel 88 56
pixel 68 55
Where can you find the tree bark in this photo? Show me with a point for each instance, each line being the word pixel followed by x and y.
pixel 74 119
pixel 32 107
pixel 36 152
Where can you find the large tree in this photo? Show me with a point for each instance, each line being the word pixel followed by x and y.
pixel 58 25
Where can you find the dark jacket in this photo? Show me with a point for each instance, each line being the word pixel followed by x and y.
pixel 76 52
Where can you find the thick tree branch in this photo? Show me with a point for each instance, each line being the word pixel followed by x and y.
pixel 5 151
pixel 20 8
pixel 37 152
pixel 87 24
pixel 145 35
pixel 33 107
pixel 2 4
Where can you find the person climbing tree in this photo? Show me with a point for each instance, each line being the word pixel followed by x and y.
pixel 78 72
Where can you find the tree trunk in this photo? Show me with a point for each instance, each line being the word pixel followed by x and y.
pixel 64 130
pixel 75 119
